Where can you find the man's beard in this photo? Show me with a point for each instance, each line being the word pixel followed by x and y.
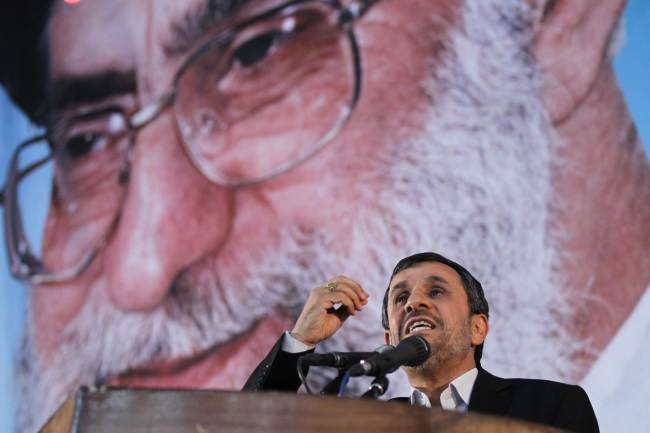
pixel 449 345
pixel 474 185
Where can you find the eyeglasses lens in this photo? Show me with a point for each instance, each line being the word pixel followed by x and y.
pixel 265 99
pixel 89 152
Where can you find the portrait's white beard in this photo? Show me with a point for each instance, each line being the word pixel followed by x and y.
pixel 474 185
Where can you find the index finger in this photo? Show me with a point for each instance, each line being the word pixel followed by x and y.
pixel 353 285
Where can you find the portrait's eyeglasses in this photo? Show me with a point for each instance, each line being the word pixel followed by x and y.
pixel 254 101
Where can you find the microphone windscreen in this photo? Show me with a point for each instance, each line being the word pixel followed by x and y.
pixel 419 350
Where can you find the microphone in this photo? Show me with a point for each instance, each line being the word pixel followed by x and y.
pixel 341 360
pixel 410 352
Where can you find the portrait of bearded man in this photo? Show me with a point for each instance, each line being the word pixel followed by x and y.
pixel 464 126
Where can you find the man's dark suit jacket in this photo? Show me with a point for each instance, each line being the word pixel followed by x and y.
pixel 541 401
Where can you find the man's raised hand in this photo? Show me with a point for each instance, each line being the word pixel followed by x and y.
pixel 319 319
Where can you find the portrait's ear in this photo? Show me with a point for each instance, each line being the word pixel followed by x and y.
pixel 480 328
pixel 571 47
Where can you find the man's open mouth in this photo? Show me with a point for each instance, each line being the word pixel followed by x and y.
pixel 418 324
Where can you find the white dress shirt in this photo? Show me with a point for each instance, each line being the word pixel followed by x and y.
pixel 290 344
pixel 454 397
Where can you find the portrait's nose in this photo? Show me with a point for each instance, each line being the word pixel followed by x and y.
pixel 172 216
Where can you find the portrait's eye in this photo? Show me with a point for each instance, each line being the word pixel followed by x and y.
pixel 80 145
pixel 435 291
pixel 87 135
pixel 254 50
pixel 262 42
pixel 401 298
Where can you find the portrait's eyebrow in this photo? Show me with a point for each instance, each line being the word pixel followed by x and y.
pixel 187 29
pixel 68 91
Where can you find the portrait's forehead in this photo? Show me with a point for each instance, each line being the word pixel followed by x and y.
pixel 92 36
pixel 149 37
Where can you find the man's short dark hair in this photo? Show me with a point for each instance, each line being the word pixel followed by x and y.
pixel 475 296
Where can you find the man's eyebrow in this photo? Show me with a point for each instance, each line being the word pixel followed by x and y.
pixel 436 279
pixel 401 285
pixel 431 279
pixel 67 91
pixel 186 30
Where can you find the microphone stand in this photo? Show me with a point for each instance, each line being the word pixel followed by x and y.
pixel 332 388
pixel 377 388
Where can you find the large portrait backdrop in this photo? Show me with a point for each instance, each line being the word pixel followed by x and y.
pixel 207 164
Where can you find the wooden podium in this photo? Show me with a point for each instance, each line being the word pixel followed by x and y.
pixel 115 410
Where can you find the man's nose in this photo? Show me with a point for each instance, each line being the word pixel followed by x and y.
pixel 172 216
pixel 418 300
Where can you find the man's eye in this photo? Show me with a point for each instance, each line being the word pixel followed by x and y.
pixel 80 145
pixel 435 291
pixel 256 49
pixel 401 298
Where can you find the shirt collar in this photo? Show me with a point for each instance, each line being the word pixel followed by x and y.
pixel 454 397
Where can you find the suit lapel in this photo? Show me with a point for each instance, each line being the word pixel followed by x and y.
pixel 490 394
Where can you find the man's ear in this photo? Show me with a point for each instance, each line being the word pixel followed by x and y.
pixel 480 328
pixel 386 337
pixel 571 47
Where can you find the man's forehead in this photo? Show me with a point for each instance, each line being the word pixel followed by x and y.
pixel 429 272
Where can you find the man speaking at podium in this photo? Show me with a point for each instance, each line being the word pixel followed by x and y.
pixel 438 299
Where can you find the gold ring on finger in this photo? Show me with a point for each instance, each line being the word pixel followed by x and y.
pixel 331 286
